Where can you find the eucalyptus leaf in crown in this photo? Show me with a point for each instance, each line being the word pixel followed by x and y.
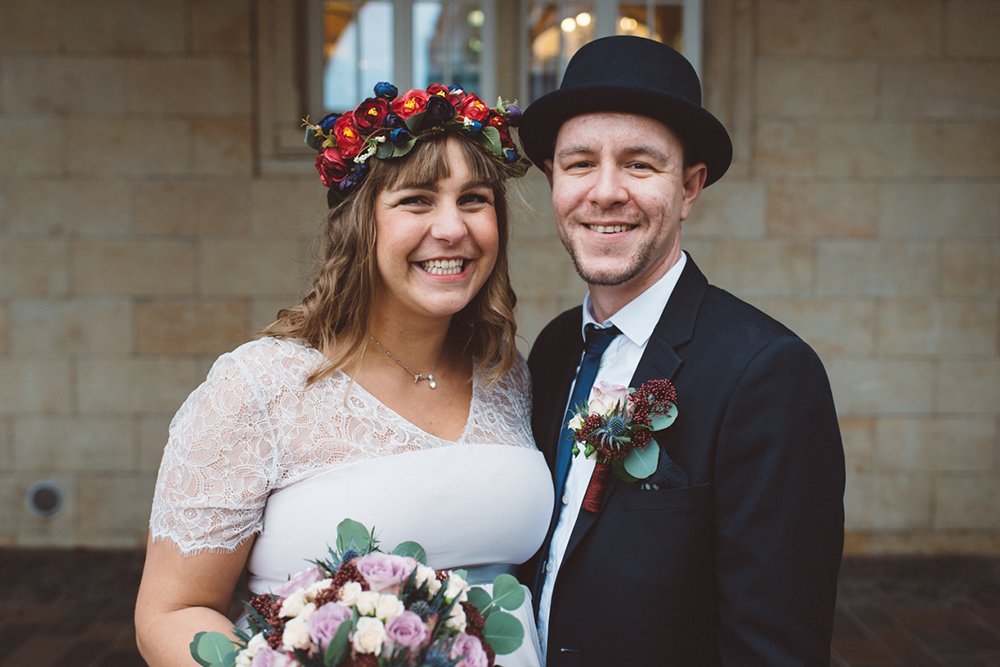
pixel 389 125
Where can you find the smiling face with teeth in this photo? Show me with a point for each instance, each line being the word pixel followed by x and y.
pixel 620 191
pixel 436 243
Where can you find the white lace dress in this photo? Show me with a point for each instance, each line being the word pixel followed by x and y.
pixel 253 451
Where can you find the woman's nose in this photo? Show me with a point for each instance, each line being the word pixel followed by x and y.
pixel 449 225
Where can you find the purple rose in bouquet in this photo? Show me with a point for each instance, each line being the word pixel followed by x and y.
pixel 385 573
pixel 407 630
pixel 325 621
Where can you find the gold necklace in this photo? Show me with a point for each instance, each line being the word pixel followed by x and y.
pixel 417 377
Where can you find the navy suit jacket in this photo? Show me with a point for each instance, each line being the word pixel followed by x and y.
pixel 740 566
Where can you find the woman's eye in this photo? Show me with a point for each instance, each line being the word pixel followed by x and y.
pixel 412 201
pixel 475 198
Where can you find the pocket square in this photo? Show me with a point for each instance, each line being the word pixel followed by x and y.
pixel 668 475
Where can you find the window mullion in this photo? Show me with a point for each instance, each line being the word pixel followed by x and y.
pixel 402 44
pixel 607 15
pixel 691 20
pixel 488 61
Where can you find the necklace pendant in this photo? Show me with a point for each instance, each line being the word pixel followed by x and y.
pixel 431 382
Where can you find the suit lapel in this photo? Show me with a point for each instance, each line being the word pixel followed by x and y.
pixel 660 360
pixel 562 369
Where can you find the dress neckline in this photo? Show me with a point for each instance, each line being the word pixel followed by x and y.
pixel 351 382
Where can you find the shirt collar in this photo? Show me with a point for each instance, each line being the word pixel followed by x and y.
pixel 633 318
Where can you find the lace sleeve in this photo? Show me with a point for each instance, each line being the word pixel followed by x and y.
pixel 521 385
pixel 218 466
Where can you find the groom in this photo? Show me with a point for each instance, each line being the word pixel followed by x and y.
pixel 728 553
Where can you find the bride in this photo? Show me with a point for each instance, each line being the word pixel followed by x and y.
pixel 392 394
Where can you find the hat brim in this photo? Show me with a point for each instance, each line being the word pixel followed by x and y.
pixel 703 135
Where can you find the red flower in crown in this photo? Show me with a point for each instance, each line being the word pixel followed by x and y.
pixel 332 166
pixel 411 102
pixel 473 108
pixel 348 135
pixel 370 114
pixel 437 89
pixel 496 120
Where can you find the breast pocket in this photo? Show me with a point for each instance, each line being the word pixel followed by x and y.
pixel 682 500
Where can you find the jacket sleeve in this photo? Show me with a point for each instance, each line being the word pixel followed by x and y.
pixel 779 485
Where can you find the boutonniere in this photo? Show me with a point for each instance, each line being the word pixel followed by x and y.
pixel 617 428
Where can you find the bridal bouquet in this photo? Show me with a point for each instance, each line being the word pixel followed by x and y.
pixel 362 607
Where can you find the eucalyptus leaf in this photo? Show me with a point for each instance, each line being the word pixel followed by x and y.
pixel 507 592
pixel 337 649
pixel 480 599
pixel 521 167
pixel 461 573
pixel 385 150
pixel 641 463
pixel 313 140
pixel 492 136
pixel 619 469
pixel 662 420
pixel 415 122
pixel 504 632
pixel 402 149
pixel 213 649
pixel 351 534
pixel 413 550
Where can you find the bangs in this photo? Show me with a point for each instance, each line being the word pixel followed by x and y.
pixel 426 164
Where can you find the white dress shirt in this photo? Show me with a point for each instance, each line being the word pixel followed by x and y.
pixel 636 320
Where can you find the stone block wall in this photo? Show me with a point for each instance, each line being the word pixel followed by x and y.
pixel 138 241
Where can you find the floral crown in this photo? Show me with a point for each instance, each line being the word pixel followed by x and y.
pixel 389 126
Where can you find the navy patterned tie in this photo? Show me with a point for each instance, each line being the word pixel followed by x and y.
pixel 597 341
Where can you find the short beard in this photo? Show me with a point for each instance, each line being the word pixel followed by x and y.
pixel 640 261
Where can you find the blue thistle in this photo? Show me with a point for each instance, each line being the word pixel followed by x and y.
pixel 616 426
pixel 435 658
pixel 421 609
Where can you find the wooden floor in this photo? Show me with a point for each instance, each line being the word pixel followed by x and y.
pixel 75 608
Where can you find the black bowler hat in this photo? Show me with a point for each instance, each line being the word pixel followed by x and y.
pixel 631 75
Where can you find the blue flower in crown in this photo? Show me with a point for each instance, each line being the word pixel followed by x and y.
pixel 400 136
pixel 386 90
pixel 328 122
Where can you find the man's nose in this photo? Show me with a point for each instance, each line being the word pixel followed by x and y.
pixel 608 188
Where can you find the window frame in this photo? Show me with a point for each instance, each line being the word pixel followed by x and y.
pixel 289 81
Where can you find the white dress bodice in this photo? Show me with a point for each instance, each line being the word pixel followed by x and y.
pixel 254 451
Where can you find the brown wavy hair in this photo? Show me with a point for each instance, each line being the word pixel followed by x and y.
pixel 334 317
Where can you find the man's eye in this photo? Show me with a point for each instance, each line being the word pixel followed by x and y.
pixel 640 166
